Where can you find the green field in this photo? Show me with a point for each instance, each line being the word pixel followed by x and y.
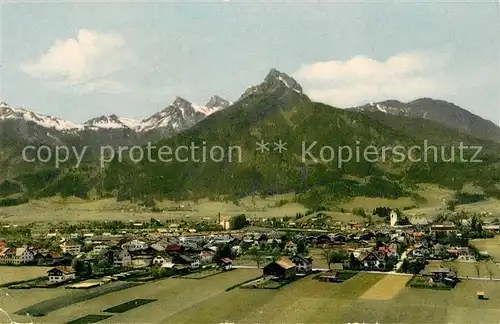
pixel 492 246
pixel 11 274
pixel 481 269
pixel 364 298
pixel 72 209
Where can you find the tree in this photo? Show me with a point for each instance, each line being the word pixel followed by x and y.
pixel 405 266
pixel 451 204
pixel 354 263
pixel 223 251
pixel 302 247
pixel 275 253
pixel 87 248
pixel 332 256
pixel 327 254
pixel 237 222
pixel 256 255
pixel 389 264
pixel 82 268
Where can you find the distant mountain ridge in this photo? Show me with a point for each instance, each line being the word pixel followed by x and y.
pixel 439 111
pixel 179 115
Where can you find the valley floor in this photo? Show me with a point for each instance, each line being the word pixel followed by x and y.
pixel 363 298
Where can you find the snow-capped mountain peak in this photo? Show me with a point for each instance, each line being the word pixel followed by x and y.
pixel 111 122
pixel 7 112
pixel 179 115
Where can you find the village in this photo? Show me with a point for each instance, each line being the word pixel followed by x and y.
pixel 93 254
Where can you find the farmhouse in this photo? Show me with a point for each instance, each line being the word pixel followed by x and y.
pixel 161 258
pixel 225 263
pixel 182 259
pixel 444 275
pixel 283 268
pixel 60 274
pixel 372 260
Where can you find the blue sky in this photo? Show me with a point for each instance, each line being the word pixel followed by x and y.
pixel 80 60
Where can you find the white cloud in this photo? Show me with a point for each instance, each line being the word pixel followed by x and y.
pixel 360 79
pixel 85 63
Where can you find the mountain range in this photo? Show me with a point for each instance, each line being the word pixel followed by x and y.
pixel 179 115
pixel 272 111
pixel 439 111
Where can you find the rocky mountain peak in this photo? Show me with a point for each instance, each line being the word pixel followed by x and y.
pixel 216 102
pixel 275 76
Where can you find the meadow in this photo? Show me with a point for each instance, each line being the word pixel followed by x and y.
pixel 72 209
pixel 492 246
pixel 11 274
pixel 363 298
pixel 480 269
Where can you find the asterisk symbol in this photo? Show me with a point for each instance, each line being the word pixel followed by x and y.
pixel 262 146
pixel 280 146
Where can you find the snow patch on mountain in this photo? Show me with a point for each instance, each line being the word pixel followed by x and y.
pixel 179 115
pixel 7 112
pixel 111 122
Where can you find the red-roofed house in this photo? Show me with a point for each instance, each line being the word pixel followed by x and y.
pixel 388 251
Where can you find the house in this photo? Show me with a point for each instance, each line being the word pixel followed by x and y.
pixel 173 248
pixel 135 245
pixel 206 257
pixel 141 261
pixel 283 268
pixel 492 228
pixel 100 248
pixel 338 238
pixel 324 239
pixel 60 274
pixel 389 251
pixel 225 263
pixel 262 239
pixel 16 255
pixel 157 247
pixel 465 255
pixel 121 258
pixel 445 227
pixel 70 247
pixel 372 260
pixel 366 236
pixel 182 259
pixel 161 258
pixel 417 252
pixel 303 264
pixel 443 275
